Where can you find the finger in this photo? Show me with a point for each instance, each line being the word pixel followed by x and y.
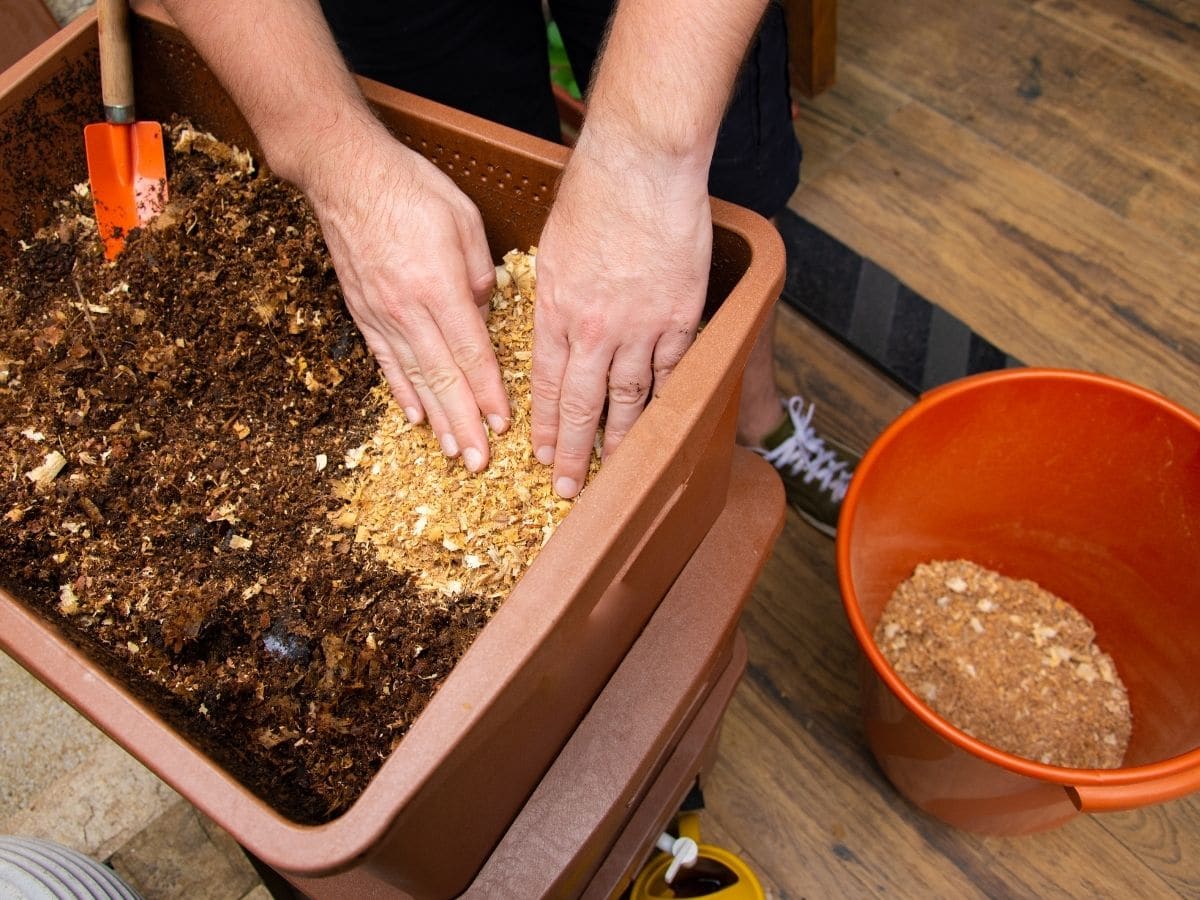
pixel 439 424
pixel 410 336
pixel 387 357
pixel 470 344
pixel 584 386
pixel 629 383
pixel 395 372
pixel 481 271
pixel 667 353
pixel 550 353
pixel 438 374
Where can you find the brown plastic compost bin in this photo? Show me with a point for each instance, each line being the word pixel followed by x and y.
pixel 441 800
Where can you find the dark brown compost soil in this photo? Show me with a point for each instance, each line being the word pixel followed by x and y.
pixel 171 427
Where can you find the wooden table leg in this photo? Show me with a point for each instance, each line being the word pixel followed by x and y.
pixel 812 44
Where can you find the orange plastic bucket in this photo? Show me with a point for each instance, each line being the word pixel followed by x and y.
pixel 1089 486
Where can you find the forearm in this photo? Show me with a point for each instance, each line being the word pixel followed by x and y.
pixel 279 62
pixel 666 73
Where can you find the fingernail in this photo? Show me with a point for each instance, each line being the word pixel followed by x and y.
pixel 498 424
pixel 473 459
pixel 545 455
pixel 566 487
pixel 412 414
pixel 449 444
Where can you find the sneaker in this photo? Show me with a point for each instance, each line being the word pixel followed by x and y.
pixel 815 470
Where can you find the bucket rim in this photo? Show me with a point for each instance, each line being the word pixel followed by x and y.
pixel 1188 761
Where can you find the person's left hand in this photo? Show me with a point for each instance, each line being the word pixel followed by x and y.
pixel 622 270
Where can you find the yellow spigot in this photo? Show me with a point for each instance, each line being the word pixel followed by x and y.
pixel 687 868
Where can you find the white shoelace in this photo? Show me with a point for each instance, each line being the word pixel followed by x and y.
pixel 805 453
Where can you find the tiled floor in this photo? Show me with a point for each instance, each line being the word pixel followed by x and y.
pixel 65 781
pixel 66 10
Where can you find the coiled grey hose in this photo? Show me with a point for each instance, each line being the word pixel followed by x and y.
pixel 33 869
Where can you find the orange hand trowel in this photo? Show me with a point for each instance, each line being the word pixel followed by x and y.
pixel 126 165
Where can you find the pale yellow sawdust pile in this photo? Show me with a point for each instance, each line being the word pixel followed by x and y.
pixel 453 532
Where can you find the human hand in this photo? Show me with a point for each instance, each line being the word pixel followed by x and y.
pixel 417 274
pixel 622 270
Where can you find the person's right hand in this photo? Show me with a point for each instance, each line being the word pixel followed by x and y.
pixel 414 265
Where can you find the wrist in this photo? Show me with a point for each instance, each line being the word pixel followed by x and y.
pixel 312 153
pixel 624 150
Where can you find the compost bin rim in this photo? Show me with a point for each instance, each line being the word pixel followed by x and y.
pixel 1068 777
pixel 328 846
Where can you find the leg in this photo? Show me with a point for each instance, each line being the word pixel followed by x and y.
pixel 761 408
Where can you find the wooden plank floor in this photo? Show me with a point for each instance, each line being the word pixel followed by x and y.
pixel 1034 168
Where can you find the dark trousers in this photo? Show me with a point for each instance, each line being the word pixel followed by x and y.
pixel 490 58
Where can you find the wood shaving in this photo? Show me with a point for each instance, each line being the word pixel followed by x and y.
pixel 457 533
pixel 45 473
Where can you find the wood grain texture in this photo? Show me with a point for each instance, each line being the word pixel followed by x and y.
pixel 1162 35
pixel 1088 112
pixel 116 54
pixel 853 108
pixel 1035 267
pixel 1059 226
pixel 1166 837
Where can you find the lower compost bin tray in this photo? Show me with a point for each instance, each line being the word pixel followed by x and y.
pixel 445 795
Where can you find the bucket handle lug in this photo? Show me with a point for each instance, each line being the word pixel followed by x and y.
pixel 1121 797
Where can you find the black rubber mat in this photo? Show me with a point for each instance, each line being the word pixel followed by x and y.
pixel 915 342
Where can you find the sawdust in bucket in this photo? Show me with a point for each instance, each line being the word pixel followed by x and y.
pixel 1007 662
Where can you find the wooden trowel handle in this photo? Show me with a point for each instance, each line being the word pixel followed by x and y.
pixel 116 61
